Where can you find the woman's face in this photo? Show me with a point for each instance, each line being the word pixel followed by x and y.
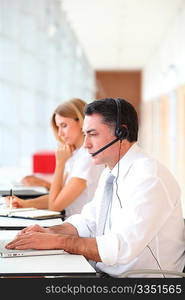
pixel 69 130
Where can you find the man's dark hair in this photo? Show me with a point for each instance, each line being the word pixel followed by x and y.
pixel 107 108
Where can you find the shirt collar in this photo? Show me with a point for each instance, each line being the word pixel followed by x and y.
pixel 127 160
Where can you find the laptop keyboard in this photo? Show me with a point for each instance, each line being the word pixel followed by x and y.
pixel 3 243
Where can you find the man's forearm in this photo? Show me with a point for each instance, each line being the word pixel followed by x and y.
pixel 79 245
pixel 65 228
pixel 69 240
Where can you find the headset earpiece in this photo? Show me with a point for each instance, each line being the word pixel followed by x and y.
pixel 121 131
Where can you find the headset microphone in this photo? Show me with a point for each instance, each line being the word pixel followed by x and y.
pixel 105 147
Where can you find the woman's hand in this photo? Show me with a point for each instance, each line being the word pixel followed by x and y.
pixel 32 180
pixel 63 153
pixel 16 202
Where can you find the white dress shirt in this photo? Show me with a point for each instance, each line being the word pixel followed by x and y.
pixel 147 228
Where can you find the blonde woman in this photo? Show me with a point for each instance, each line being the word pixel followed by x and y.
pixel 75 177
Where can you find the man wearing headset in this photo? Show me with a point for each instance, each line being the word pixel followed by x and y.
pixel 143 223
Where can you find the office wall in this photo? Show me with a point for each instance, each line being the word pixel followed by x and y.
pixel 125 84
pixel 163 106
pixel 41 65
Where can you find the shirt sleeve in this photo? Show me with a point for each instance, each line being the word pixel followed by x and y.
pixel 137 223
pixel 85 222
pixel 108 257
pixel 80 224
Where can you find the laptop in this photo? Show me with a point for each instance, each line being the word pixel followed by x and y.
pixel 4 252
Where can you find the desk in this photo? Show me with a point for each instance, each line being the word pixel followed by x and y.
pixel 18 223
pixel 48 265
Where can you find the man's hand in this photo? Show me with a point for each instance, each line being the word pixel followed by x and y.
pixel 35 240
pixel 33 228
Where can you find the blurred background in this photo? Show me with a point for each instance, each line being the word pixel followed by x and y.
pixel 52 50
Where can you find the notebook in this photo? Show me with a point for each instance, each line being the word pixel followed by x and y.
pixel 28 252
pixel 23 193
pixel 30 213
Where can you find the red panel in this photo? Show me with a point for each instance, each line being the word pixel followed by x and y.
pixel 44 162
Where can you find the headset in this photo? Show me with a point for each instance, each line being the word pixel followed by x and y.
pixel 121 132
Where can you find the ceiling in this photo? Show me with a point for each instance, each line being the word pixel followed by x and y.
pixel 120 34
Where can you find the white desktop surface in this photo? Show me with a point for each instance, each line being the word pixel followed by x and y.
pixel 63 264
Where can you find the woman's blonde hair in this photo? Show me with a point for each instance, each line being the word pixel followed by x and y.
pixel 73 108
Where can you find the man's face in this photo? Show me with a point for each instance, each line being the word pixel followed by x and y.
pixel 97 135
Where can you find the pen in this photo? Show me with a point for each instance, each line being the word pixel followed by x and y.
pixel 11 198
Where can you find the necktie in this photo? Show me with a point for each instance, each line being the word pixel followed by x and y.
pixel 105 204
